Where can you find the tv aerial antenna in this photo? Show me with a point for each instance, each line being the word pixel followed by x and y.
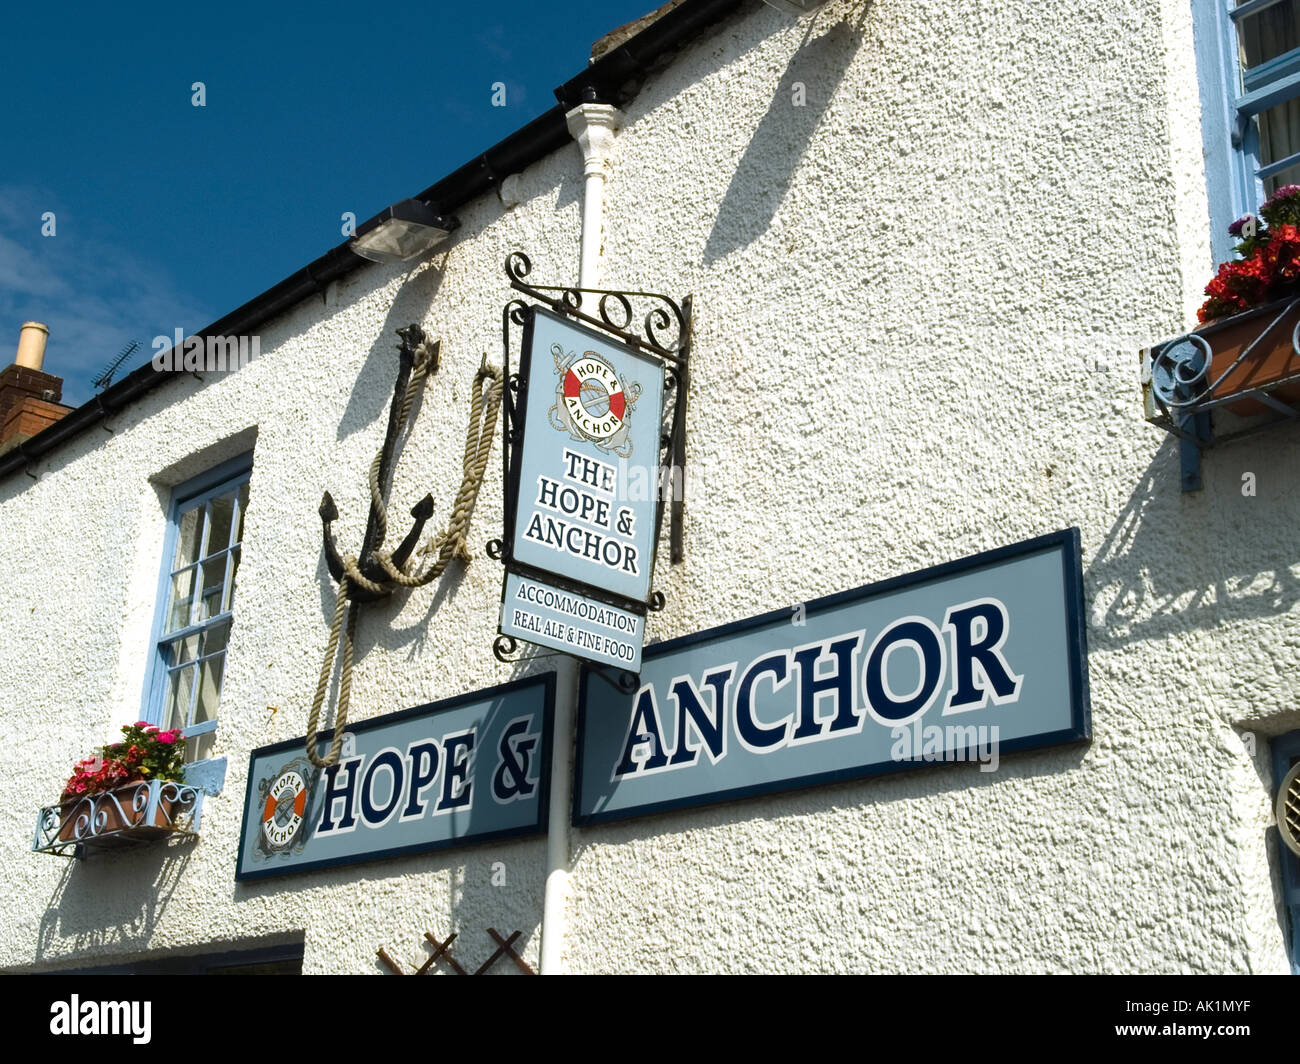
pixel 105 377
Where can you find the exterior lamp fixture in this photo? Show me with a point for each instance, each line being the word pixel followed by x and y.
pixel 403 231
pixel 797 8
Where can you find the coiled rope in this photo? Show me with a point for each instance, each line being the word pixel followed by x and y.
pixel 484 405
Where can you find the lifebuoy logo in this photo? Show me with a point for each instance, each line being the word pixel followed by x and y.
pixel 285 794
pixel 283 813
pixel 597 378
pixel 592 402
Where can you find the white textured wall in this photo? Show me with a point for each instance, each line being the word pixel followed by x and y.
pixel 918 304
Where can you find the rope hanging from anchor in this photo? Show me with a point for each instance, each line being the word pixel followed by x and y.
pixel 379 572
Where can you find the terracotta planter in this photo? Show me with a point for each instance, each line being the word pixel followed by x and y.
pixel 1272 360
pixel 119 814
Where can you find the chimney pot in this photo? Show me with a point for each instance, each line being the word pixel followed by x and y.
pixel 31 345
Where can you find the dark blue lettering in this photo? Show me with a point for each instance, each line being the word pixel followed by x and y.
pixel 335 793
pixel 372 814
pixel 644 727
pixel 749 729
pixel 711 730
pixel 423 758
pixel 973 659
pixel 457 790
pixel 840 684
pixel 881 702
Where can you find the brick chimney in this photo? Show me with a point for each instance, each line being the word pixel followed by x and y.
pixel 29 397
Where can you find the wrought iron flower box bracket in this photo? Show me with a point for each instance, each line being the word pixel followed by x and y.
pixel 664 335
pixel 1248 365
pixel 138 813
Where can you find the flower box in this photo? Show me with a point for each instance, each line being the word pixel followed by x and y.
pixel 1273 359
pixel 139 812
pixel 124 809
pixel 128 791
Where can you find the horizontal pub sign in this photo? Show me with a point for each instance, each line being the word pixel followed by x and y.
pixel 962 662
pixel 463 770
pixel 584 492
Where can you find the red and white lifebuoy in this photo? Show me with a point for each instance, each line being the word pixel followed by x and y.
pixel 280 833
pixel 588 371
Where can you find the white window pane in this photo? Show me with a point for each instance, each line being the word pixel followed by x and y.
pixel 214 587
pixel 1279 136
pixel 215 639
pixel 1289 176
pixel 200 746
pixel 221 512
pixel 184 650
pixel 205 707
pixel 188 538
pixel 1269 33
pixel 243 505
pixel 181 601
pixel 180 688
pixel 234 565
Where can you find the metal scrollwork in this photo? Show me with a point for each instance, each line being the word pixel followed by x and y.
pixel 624 307
pixel 140 812
pixel 664 323
pixel 503 649
pixel 658 321
pixel 1180 369
pixel 518 266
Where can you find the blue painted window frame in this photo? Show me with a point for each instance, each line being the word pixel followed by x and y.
pixel 1234 180
pixel 1286 752
pixel 194 492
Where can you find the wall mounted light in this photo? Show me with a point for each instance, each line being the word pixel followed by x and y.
pixel 403 231
pixel 797 8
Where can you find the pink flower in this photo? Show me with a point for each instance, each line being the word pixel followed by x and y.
pixel 168 737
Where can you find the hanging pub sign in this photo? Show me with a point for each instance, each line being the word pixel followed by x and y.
pixel 463 770
pixel 584 430
pixel 963 662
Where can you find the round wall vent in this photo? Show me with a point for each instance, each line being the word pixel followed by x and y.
pixel 1288 809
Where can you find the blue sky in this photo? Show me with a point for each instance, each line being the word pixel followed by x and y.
pixel 169 215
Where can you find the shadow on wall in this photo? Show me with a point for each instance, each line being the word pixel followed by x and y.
pixel 111 901
pixel 1149 578
pixel 767 166
pixel 373 393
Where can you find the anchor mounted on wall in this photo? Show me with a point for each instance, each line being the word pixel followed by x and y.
pixel 376 570
pixel 376 573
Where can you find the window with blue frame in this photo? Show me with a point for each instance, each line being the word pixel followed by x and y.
pixel 196 602
pixel 1248 59
pixel 1286 754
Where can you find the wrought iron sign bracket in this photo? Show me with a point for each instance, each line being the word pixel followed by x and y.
pixel 1182 387
pixel 665 336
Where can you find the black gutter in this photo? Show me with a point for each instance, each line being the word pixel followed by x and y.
pixel 614 78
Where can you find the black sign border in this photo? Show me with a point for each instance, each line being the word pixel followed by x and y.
pixel 546 680
pixel 1067 541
